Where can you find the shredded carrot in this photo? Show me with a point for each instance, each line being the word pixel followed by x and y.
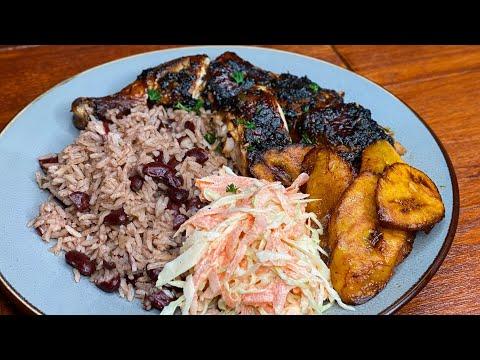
pixel 252 252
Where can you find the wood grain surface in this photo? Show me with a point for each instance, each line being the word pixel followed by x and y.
pixel 441 83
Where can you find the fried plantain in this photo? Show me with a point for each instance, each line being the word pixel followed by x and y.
pixel 377 156
pixel 408 199
pixel 395 245
pixel 358 270
pixel 282 164
pixel 330 175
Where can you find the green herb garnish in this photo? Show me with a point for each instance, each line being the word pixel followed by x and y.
pixel 238 77
pixel 314 87
pixel 210 137
pixel 306 108
pixel 250 125
pixel 180 106
pixel 247 124
pixel 198 104
pixel 306 140
pixel 231 189
pixel 250 148
pixel 219 149
pixel 154 95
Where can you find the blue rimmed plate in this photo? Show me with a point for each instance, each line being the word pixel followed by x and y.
pixel 42 283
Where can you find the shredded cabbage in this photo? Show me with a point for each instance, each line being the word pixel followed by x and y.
pixel 253 252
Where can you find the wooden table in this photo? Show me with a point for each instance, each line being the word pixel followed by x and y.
pixel 441 83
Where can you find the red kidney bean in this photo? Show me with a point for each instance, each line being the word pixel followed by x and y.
pixel 106 127
pixel 110 285
pixel 116 217
pixel 160 299
pixel 189 125
pixel 80 261
pixel 164 173
pixel 178 220
pixel 81 200
pixel 200 155
pixel 109 265
pixel 50 160
pixel 173 162
pixel 194 203
pixel 153 274
pixel 173 206
pixel 136 182
pixel 177 195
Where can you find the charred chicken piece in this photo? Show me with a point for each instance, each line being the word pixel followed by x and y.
pixel 229 75
pixel 298 95
pixel 179 80
pixel 346 128
pixel 256 125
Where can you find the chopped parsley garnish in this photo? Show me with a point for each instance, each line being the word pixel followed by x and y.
pixel 247 124
pixel 238 77
pixel 306 140
pixel 306 108
pixel 250 125
pixel 219 149
pixel 231 188
pixel 180 106
pixel 154 95
pixel 198 104
pixel 210 137
pixel 250 148
pixel 314 87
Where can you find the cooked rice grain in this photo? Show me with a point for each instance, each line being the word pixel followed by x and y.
pixel 100 165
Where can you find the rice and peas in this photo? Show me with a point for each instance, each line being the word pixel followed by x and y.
pixel 118 217
pixel 104 162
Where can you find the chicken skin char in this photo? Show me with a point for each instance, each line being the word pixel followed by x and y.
pixel 256 124
pixel 179 80
pixel 222 88
pixel 346 128
pixel 299 95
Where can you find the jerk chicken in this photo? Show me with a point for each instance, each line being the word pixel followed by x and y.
pixel 346 128
pixel 228 76
pixel 299 95
pixel 176 81
pixel 257 124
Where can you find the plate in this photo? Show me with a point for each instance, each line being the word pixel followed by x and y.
pixel 43 283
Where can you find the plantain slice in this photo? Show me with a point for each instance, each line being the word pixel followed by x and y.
pixel 395 245
pixel 364 255
pixel 330 175
pixel 377 156
pixel 281 164
pixel 358 270
pixel 408 199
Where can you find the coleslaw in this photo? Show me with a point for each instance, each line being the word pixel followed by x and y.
pixel 253 250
